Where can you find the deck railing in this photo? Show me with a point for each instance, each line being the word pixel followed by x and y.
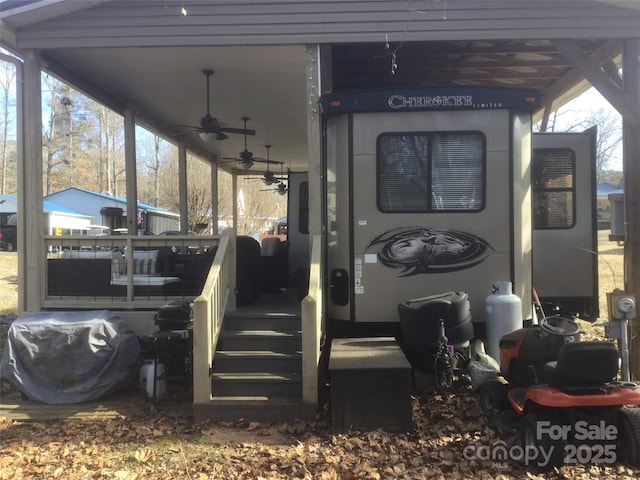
pixel 79 294
pixel 208 311
pixel 312 326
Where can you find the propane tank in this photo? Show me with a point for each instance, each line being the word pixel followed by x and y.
pixel 504 314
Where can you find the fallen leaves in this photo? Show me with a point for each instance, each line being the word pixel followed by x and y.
pixel 149 443
pixel 143 455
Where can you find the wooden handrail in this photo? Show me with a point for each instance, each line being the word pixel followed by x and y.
pixel 208 313
pixel 312 322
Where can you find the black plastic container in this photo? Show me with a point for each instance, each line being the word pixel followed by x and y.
pixel 174 316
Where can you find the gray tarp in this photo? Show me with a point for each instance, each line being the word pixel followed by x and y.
pixel 70 357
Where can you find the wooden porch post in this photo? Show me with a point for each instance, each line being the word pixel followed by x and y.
pixel 131 169
pixel 312 306
pixel 31 248
pixel 182 185
pixel 234 192
pixel 631 167
pixel 20 149
pixel 214 197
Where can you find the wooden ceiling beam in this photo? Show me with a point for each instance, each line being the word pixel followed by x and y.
pixel 573 82
pixel 594 73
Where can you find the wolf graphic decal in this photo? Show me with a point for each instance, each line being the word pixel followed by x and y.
pixel 419 250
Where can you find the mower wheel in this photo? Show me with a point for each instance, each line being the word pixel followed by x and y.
pixel 629 435
pixel 547 452
pixel 493 396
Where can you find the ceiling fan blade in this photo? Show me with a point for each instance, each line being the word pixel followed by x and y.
pixel 264 160
pixel 241 131
pixel 184 126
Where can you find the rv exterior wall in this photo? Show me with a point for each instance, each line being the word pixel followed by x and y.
pixel 361 235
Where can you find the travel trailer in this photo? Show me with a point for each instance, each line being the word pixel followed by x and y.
pixel 432 190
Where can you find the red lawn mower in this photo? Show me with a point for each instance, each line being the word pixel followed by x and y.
pixel 561 395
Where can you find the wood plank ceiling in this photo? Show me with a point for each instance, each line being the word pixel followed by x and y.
pixel 507 63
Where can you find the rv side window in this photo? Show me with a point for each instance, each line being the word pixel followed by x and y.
pixel 553 188
pixel 427 172
pixel 303 213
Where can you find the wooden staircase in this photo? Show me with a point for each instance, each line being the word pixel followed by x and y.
pixel 257 368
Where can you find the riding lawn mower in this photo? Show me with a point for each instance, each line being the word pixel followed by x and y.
pixel 562 397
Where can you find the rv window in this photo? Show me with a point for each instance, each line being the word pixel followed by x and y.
pixel 553 188
pixel 431 172
pixel 303 213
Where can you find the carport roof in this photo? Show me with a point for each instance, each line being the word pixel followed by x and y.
pixel 145 54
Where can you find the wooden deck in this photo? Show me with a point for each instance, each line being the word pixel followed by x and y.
pixel 133 402
pixel 124 404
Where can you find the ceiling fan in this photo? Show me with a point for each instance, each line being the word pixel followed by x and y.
pixel 246 158
pixel 268 177
pixel 281 189
pixel 210 127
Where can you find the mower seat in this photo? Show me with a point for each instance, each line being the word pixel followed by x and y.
pixel 583 364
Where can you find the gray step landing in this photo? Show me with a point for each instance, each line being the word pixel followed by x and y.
pixel 257 384
pixel 256 408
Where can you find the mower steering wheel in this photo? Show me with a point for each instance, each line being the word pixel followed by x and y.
pixel 560 326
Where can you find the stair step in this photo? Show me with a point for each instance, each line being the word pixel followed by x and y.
pixel 269 340
pixel 257 384
pixel 257 322
pixel 257 408
pixel 259 377
pixel 226 361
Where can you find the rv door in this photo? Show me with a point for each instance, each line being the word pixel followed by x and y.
pixel 565 258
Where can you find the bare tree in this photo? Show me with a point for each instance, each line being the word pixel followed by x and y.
pixel 609 137
pixel 262 205
pixel 108 151
pixel 150 155
pixel 68 137
pixel 7 86
pixel 198 188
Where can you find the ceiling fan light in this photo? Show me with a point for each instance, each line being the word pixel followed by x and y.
pixel 269 181
pixel 245 164
pixel 282 192
pixel 221 136
pixel 207 136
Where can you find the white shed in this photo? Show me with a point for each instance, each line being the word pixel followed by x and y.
pixel 110 211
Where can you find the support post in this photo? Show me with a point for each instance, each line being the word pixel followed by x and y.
pixel 631 167
pixel 214 197
pixel 131 169
pixel 182 185
pixel 30 215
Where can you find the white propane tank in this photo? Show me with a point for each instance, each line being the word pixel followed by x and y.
pixel 504 315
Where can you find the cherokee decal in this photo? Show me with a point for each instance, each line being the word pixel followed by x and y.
pixel 429 250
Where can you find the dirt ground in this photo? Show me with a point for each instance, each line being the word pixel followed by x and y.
pixel 452 439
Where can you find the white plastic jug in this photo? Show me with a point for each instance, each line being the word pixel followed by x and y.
pixel 146 379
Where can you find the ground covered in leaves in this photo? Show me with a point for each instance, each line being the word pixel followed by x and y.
pixel 160 441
